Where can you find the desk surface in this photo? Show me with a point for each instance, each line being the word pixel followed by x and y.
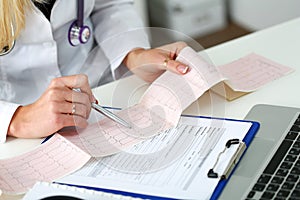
pixel 279 43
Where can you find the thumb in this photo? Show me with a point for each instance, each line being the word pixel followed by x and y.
pixel 177 67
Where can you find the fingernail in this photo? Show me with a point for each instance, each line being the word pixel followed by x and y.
pixel 95 100
pixel 183 69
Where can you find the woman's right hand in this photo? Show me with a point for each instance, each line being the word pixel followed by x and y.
pixel 59 106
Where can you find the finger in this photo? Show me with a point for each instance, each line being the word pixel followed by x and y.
pixel 61 120
pixel 66 96
pixel 73 120
pixel 177 67
pixel 83 83
pixel 77 97
pixel 173 46
pixel 74 109
pixel 78 109
pixel 76 81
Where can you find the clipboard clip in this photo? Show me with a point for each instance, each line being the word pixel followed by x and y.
pixel 233 161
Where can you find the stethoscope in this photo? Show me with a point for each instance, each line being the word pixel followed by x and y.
pixel 78 32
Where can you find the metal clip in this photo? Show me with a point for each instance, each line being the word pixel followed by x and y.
pixel 233 161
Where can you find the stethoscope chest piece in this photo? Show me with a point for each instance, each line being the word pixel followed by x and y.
pixel 79 34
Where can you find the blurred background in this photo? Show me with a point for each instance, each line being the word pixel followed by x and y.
pixel 211 22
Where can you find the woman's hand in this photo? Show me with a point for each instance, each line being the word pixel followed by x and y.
pixel 150 64
pixel 60 106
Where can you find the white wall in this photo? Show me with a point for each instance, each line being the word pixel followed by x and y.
pixel 259 14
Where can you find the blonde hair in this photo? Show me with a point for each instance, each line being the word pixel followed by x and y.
pixel 12 19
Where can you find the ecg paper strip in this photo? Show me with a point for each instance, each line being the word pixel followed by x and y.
pixel 251 72
pixel 163 102
pixel 48 162
pixel 158 110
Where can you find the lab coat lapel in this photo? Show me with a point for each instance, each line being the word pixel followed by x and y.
pixel 32 34
pixel 66 12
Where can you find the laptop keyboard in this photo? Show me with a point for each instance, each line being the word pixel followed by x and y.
pixel 280 179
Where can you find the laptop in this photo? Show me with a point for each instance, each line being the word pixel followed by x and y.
pixel 270 168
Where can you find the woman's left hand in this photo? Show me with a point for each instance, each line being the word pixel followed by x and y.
pixel 151 63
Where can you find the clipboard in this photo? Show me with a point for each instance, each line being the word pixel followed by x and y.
pixel 246 141
pixel 240 152
pixel 222 182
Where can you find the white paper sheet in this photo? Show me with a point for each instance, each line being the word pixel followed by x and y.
pixel 48 162
pixel 43 190
pixel 170 164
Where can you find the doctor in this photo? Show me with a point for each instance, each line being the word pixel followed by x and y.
pixel 48 47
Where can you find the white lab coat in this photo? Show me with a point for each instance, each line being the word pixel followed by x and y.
pixel 42 52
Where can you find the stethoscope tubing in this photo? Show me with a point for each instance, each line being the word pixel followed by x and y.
pixel 80 10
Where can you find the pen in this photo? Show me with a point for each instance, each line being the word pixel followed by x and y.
pixel 107 113
pixel 110 115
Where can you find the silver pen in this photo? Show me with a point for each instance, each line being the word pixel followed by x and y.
pixel 107 113
pixel 110 115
